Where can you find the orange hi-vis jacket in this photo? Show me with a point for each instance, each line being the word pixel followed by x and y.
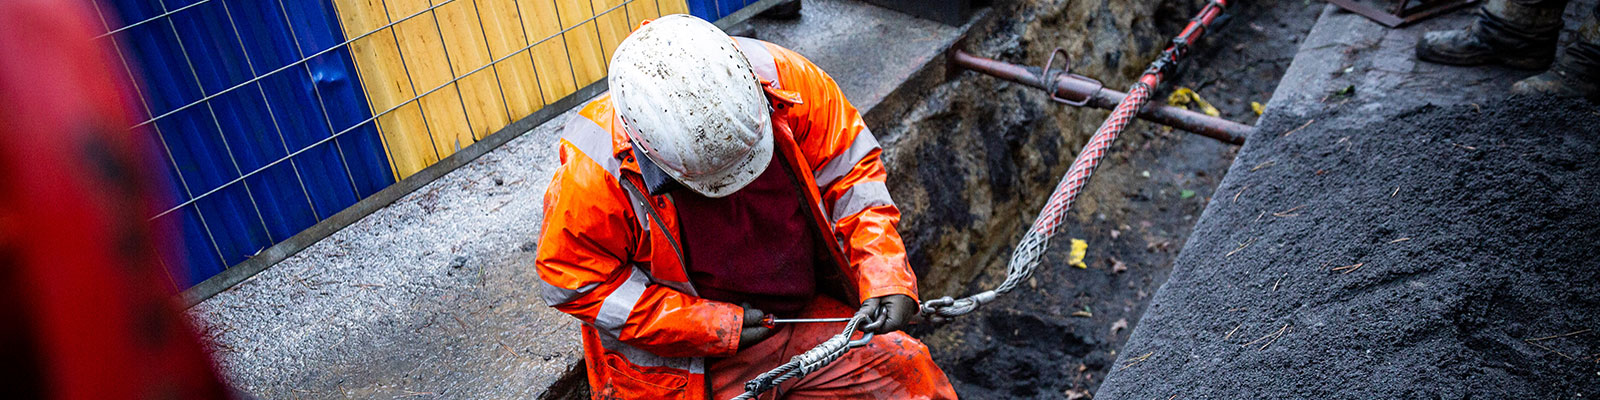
pixel 610 255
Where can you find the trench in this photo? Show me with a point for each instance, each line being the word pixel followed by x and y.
pixel 972 162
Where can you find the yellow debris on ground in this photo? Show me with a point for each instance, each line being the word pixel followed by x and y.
pixel 1079 249
pixel 1258 108
pixel 1183 97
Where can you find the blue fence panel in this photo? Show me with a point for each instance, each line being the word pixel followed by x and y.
pixel 712 10
pixel 275 128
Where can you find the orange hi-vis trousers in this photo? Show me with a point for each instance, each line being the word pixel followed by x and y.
pixel 890 366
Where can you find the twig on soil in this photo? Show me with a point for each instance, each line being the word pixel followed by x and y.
pixel 1280 280
pixel 1284 331
pixel 1268 163
pixel 1464 146
pixel 1348 268
pixel 1396 191
pixel 1578 332
pixel 507 348
pixel 502 204
pixel 1230 332
pixel 1270 338
pixel 1241 247
pixel 1546 348
pixel 1241 191
pixel 1136 360
pixel 1258 217
pixel 1288 213
pixel 1302 126
pixel 1399 240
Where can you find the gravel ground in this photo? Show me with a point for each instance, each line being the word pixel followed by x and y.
pixel 1447 252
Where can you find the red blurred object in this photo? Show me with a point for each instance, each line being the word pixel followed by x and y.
pixel 86 309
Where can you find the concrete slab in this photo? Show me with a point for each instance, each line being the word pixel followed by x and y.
pixel 434 295
pixel 869 50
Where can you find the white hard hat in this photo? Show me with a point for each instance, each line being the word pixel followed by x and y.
pixel 689 99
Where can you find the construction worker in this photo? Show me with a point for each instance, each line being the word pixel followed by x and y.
pixel 1523 34
pixel 720 181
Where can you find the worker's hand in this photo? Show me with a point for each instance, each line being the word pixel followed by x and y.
pixel 752 332
pixel 888 313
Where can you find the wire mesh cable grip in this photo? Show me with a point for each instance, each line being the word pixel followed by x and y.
pixel 809 361
pixel 1025 258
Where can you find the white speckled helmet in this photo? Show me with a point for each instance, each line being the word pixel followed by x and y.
pixel 689 99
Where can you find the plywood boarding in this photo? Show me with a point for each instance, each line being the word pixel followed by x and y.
pixel 612 24
pixel 468 51
pixel 543 28
pixel 427 61
pixel 583 40
pixel 384 79
pixel 507 42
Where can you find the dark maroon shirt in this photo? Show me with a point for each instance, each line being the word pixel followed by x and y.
pixel 754 246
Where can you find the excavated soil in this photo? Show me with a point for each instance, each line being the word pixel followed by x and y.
pixel 1448 252
pixel 1058 335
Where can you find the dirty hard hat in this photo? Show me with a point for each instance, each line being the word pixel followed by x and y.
pixel 688 98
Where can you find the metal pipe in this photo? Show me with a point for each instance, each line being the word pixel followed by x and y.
pixel 772 322
pixel 1097 96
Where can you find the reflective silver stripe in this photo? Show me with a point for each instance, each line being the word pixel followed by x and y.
pixel 842 163
pixel 643 358
pixel 681 287
pixel 615 310
pixel 593 142
pixel 760 59
pixel 859 197
pixel 556 295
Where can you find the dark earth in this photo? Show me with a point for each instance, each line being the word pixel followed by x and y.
pixel 1057 335
pixel 1448 252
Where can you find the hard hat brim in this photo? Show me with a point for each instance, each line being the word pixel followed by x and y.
pixel 725 182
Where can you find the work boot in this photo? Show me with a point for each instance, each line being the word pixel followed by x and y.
pixel 1576 74
pixel 1504 31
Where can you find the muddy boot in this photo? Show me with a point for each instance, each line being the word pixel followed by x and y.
pixel 1509 32
pixel 1576 74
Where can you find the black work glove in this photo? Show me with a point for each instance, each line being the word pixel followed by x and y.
pixel 752 331
pixel 888 313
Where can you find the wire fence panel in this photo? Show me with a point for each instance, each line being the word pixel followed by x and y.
pixel 276 114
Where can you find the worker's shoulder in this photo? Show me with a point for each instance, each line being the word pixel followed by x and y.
pixel 591 134
pixel 598 110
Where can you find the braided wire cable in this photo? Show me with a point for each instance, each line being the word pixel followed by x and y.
pixel 807 362
pixel 1025 259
